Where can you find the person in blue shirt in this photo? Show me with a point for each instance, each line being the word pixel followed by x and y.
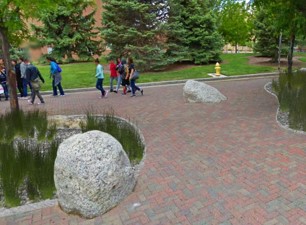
pixel 55 72
pixel 100 78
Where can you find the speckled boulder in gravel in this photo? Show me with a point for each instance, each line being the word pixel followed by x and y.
pixel 92 174
pixel 195 91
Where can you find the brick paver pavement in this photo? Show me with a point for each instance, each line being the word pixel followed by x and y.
pixel 227 163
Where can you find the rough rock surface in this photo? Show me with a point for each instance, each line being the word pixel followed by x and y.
pixel 195 91
pixel 92 174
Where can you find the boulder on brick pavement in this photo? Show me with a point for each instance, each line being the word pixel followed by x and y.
pixel 195 91
pixel 92 174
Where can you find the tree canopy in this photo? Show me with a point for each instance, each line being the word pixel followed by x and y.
pixel 13 14
pixel 69 31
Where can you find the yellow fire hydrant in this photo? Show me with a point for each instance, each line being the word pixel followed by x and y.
pixel 218 69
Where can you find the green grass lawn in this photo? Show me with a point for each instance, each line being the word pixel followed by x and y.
pixel 81 75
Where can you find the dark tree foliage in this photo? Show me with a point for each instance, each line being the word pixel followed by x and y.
pixel 135 28
pixel 69 31
pixel 266 34
pixel 192 33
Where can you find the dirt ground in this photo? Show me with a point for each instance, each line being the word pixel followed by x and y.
pixel 266 61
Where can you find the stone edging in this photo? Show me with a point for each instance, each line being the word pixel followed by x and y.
pixel 279 112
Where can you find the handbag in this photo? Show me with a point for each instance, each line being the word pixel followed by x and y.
pixel 35 84
pixel 135 75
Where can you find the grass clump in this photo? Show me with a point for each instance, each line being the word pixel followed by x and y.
pixel 26 156
pixel 124 132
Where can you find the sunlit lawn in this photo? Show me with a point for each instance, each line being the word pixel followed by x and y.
pixel 81 75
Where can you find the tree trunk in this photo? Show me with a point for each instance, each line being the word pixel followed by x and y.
pixel 9 71
pixel 290 54
pixel 236 48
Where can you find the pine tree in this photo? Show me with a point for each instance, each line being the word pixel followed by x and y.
pixel 135 28
pixel 69 32
pixel 193 34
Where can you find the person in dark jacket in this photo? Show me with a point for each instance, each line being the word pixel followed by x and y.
pixel 33 76
pixel 3 82
pixel 18 76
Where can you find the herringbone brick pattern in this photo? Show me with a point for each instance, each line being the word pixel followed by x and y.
pixel 227 163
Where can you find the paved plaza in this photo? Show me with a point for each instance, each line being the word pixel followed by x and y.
pixel 226 163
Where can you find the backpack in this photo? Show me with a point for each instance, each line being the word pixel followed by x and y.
pixel 121 69
pixel 59 69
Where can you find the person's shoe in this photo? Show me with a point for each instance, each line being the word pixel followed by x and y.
pixel 141 91
pixel 54 95
pixel 129 91
pixel 6 99
pixel 115 91
pixel 29 101
pixel 111 90
pixel 123 93
pixel 133 95
pixel 105 94
pixel 62 95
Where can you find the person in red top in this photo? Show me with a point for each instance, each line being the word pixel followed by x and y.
pixel 113 75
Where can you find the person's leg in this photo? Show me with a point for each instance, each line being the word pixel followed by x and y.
pixel 60 88
pixel 40 97
pixel 5 89
pixel 20 87
pixel 111 84
pixel 33 94
pixel 54 88
pixel 99 85
pixel 118 83
pixel 132 83
pixel 25 88
pixel 103 91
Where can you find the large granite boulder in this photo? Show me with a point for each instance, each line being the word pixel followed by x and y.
pixel 195 91
pixel 92 174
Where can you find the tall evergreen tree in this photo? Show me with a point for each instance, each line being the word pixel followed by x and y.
pixel 69 31
pixel 193 34
pixel 135 28
pixel 266 34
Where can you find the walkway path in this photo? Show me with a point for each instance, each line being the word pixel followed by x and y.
pixel 228 163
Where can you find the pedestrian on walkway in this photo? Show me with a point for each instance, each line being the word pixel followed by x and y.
pixel 3 82
pixel 23 66
pixel 34 77
pixel 133 76
pixel 120 71
pixel 100 77
pixel 113 75
pixel 55 73
pixel 18 76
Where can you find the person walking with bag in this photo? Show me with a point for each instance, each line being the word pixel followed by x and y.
pixel 133 76
pixel 55 72
pixel 34 77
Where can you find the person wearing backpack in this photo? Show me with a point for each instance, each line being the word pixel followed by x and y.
pixel 55 72
pixel 34 77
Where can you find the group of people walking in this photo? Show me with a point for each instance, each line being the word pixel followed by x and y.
pixel 124 73
pixel 28 76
